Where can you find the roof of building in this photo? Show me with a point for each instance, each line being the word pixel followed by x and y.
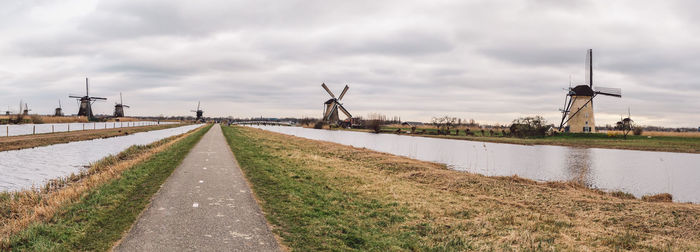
pixel 582 90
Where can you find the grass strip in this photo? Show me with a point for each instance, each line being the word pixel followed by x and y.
pixel 311 214
pixel 326 196
pixel 105 212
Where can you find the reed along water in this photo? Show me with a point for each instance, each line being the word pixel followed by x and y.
pixel 20 169
pixel 636 172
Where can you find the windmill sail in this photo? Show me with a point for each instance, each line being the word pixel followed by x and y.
pixel 608 91
pixel 589 67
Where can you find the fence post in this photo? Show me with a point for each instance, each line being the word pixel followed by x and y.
pixel 7 130
pixel 94 125
pixel 83 126
pixel 52 131
pixel 69 127
pixel 33 129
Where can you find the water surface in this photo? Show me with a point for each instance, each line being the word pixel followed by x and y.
pixel 20 169
pixel 636 172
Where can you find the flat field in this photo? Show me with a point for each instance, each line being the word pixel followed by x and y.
pixel 325 196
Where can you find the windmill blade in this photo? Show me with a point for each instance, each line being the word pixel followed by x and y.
pixel 344 111
pixel 589 67
pixel 197 106
pixel 74 96
pixel 330 111
pixel 616 92
pixel 98 98
pixel 126 106
pixel 327 90
pixel 343 93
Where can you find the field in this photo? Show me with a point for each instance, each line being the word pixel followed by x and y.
pixel 30 141
pixel 91 210
pixel 687 142
pixel 326 196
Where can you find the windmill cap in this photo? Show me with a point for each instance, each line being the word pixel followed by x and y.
pixel 329 101
pixel 582 90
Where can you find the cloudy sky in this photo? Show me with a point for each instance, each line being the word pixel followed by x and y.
pixel 488 60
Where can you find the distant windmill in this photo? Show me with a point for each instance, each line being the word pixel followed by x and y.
pixel 331 106
pixel 578 104
pixel 625 124
pixel 119 107
pixel 25 110
pixel 199 112
pixel 7 112
pixel 59 110
pixel 86 102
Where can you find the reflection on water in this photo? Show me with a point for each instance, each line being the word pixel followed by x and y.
pixel 578 166
pixel 636 172
pixel 20 169
pixel 28 129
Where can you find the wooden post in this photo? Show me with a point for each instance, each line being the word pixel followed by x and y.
pixel 69 127
pixel 7 130
pixel 94 125
pixel 52 131
pixel 33 129
pixel 83 126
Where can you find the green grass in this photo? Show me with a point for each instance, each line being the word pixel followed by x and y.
pixel 312 212
pixel 100 218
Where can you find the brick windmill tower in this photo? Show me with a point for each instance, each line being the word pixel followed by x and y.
pixel 578 104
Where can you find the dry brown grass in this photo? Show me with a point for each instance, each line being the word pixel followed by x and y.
pixel 30 141
pixel 500 213
pixel 29 206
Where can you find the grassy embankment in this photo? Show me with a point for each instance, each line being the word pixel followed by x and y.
pixel 31 141
pixel 325 196
pixel 649 141
pixel 91 210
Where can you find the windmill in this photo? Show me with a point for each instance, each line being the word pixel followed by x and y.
pixel 331 106
pixel 8 112
pixel 578 103
pixel 86 102
pixel 25 110
pixel 625 124
pixel 119 107
pixel 199 113
pixel 59 110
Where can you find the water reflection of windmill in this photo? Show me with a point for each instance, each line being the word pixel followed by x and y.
pixel 199 112
pixel 578 104
pixel 119 107
pixel 331 106
pixel 86 102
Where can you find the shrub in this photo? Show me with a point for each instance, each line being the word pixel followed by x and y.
pixel 318 125
pixel 529 127
pixel 374 125
pixel 661 197
pixel 637 131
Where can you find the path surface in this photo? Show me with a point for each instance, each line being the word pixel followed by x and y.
pixel 205 205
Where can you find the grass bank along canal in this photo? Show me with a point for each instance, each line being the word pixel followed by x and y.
pixel 637 172
pixel 21 169
pixel 326 196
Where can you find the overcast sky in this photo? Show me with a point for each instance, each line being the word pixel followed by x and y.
pixel 488 60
